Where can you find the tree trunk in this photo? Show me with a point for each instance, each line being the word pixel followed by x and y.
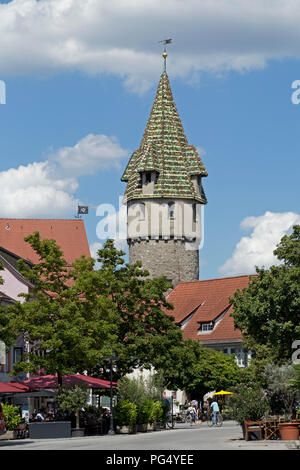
pixel 77 420
pixel 59 379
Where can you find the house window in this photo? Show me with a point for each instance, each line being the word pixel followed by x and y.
pixel 207 326
pixel 17 355
pixel 171 210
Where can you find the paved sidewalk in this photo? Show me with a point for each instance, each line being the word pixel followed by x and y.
pixel 198 437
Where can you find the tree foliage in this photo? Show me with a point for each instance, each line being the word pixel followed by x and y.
pixel 143 330
pixel 74 317
pixel 12 416
pixel 72 399
pixel 65 324
pixel 268 311
pixel 198 370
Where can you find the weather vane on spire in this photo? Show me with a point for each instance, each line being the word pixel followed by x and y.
pixel 165 55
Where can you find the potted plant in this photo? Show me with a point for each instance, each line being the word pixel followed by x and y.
pixel 125 414
pixel 73 399
pixel 12 419
pixel 156 415
pixel 281 382
pixel 247 403
pixel 143 415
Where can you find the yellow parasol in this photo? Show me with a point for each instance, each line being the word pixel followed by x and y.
pixel 223 392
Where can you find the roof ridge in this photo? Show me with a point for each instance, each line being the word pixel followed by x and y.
pixel 215 279
pixel 40 218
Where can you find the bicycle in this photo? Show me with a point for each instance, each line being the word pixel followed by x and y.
pixel 190 418
pixel 171 421
pixel 219 420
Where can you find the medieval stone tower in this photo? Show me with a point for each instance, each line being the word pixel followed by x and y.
pixel 164 194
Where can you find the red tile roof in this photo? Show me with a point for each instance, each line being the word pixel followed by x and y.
pixel 205 301
pixel 69 234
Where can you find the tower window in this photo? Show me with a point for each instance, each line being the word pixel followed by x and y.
pixel 142 211
pixel 148 177
pixel 140 183
pixel 171 210
pixel 194 212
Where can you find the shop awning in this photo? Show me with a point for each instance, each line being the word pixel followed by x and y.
pixel 50 381
pixel 13 387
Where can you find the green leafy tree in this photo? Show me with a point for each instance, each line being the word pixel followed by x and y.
pixel 74 317
pixel 144 331
pixel 72 399
pixel 199 370
pixel 295 381
pixel 67 326
pixel 267 312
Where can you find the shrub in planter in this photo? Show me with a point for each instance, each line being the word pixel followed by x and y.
pixel 144 411
pixel 12 416
pixel 156 414
pixel 247 403
pixel 125 413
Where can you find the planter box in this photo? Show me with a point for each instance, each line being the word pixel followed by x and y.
pixel 126 429
pixel 159 426
pixel 289 431
pixel 50 430
pixel 77 432
pixel 142 428
pixel 9 435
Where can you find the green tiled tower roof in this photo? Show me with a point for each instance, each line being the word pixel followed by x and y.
pixel 164 148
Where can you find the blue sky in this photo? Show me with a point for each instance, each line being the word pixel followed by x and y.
pixel 77 103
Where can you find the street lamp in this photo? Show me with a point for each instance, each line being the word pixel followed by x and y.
pixel 111 424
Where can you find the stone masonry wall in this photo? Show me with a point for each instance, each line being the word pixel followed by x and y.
pixel 166 258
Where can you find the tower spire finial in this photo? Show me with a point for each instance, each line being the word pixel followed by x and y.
pixel 165 55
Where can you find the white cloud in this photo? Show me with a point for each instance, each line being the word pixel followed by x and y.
pixel 90 154
pixel 121 37
pixel 46 189
pixel 257 249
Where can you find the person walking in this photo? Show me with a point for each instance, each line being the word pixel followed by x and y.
pixel 215 409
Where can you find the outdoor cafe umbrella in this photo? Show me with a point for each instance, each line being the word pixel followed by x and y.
pixel 50 381
pixel 223 393
pixel 12 387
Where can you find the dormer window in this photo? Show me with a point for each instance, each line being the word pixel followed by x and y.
pixel 148 177
pixel 208 326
